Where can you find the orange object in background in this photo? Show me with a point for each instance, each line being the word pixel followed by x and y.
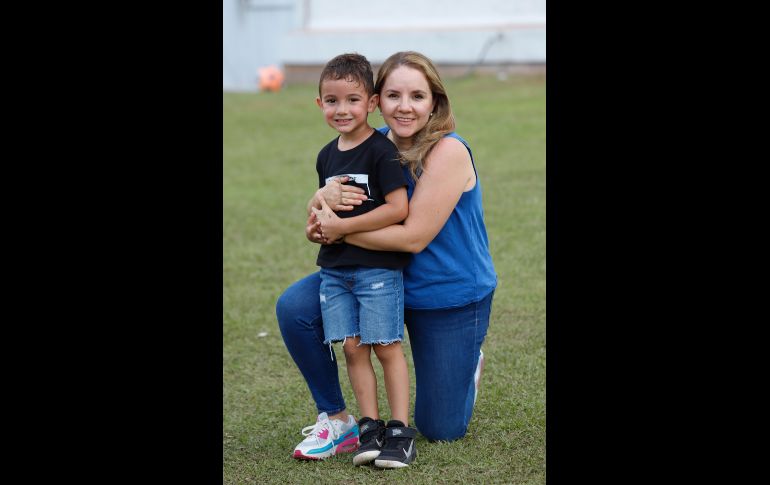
pixel 270 78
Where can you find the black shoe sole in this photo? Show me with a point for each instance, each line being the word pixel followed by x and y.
pixel 365 457
pixel 390 464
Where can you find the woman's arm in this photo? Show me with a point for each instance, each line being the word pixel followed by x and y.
pixel 395 209
pixel 448 172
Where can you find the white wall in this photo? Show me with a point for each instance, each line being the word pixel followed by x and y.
pixel 251 34
pixel 310 32
pixel 419 14
pixel 451 47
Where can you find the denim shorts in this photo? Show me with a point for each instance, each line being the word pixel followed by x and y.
pixel 357 300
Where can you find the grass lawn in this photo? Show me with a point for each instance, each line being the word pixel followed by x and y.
pixel 270 143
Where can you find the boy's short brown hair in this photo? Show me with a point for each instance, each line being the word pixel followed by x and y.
pixel 352 67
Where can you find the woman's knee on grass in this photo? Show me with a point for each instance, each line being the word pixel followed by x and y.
pixel 433 430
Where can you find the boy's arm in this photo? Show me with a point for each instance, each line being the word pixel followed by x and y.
pixel 448 170
pixel 395 209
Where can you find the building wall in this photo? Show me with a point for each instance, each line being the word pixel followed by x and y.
pixel 251 33
pixel 301 35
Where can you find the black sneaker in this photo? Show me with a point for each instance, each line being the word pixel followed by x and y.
pixel 371 438
pixel 399 450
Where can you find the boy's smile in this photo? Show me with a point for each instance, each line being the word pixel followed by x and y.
pixel 346 106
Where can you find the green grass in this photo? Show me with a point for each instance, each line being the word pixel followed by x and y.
pixel 270 142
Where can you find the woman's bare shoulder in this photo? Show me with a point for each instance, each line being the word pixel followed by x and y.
pixel 448 151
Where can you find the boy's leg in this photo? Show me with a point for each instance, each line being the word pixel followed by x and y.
pixel 380 294
pixel 364 383
pixel 299 319
pixel 362 378
pixel 445 348
pixel 396 375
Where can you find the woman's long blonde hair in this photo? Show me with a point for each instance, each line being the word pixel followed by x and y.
pixel 442 121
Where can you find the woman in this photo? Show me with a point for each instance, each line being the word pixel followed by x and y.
pixel 450 282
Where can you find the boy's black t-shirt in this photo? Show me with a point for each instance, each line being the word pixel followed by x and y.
pixel 374 166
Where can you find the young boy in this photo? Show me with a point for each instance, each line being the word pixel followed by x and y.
pixel 362 291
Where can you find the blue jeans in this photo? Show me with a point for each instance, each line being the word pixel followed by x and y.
pixel 445 350
pixel 358 300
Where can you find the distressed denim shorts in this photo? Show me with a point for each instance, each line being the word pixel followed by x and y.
pixel 357 300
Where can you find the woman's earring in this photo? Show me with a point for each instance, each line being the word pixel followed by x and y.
pixel 431 114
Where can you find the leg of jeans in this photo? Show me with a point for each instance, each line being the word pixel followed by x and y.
pixel 299 317
pixel 445 349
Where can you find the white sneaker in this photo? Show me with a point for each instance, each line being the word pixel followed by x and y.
pixel 327 437
pixel 477 374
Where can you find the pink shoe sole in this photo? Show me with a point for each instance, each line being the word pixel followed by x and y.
pixel 348 446
pixel 298 455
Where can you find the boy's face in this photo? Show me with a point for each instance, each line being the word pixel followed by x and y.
pixel 346 105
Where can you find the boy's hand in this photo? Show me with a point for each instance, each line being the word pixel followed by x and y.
pixel 313 230
pixel 331 224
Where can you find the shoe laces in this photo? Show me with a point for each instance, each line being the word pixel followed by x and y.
pixel 313 430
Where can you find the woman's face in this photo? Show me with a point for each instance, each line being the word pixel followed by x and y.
pixel 406 101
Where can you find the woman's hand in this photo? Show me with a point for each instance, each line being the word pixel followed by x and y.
pixel 342 197
pixel 330 224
